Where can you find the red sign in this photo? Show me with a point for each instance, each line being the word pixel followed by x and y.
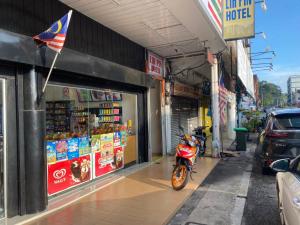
pixel 154 65
pixel 59 176
pixel 80 170
pixel 65 174
pixel 104 163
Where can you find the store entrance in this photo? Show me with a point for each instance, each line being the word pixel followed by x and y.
pixel 2 149
pixel 89 133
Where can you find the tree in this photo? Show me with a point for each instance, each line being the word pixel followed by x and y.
pixel 270 94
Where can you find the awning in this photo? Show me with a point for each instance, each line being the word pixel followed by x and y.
pixel 166 27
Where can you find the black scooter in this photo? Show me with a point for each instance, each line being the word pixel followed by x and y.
pixel 201 137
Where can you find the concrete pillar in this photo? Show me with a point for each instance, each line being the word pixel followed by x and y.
pixel 215 109
pixel 35 153
pixel 231 117
pixel 168 117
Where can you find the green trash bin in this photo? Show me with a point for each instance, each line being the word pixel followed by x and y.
pixel 241 138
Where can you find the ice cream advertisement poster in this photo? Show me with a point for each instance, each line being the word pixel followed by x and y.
pixel 61 150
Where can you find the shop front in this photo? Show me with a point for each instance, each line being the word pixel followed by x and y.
pixel 92 119
pixel 184 108
pixel 90 133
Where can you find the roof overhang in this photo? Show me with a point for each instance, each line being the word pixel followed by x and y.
pixel 166 27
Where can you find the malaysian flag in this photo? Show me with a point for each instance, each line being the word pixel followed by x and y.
pixel 55 36
pixel 222 99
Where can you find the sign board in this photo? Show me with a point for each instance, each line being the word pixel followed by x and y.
pixel 154 65
pixel 214 10
pixel 184 90
pixel 244 68
pixel 238 19
pixel 65 174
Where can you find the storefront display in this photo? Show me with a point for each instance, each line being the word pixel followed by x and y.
pixel 89 140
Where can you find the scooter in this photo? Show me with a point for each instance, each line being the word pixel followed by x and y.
pixel 200 135
pixel 186 154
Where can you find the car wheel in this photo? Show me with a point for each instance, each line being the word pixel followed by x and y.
pixel 280 208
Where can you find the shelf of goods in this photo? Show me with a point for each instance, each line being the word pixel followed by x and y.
pixel 58 116
pixel 110 112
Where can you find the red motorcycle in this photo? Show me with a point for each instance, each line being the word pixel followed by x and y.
pixel 186 154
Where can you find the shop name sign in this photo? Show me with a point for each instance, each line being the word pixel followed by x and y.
pixel 238 19
pixel 154 65
pixel 184 90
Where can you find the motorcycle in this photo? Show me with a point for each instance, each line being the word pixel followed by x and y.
pixel 200 135
pixel 186 154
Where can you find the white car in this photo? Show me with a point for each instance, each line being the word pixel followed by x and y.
pixel 288 189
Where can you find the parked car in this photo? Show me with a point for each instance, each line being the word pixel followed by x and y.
pixel 280 138
pixel 288 189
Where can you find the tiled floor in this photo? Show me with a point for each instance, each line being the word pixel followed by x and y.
pixel 142 198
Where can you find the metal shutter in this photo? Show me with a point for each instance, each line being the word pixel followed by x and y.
pixel 184 113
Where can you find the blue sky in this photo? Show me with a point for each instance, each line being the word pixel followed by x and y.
pixel 281 23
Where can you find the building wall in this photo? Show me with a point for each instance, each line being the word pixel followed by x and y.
pixel 85 35
pixel 293 87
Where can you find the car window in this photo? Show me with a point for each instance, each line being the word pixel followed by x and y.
pixel 286 122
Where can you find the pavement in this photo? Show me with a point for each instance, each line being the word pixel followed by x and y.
pixel 143 197
pixel 234 193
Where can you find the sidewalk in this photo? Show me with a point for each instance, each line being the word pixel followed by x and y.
pixel 144 197
pixel 221 198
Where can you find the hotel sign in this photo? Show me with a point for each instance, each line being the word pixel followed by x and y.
pixel 238 19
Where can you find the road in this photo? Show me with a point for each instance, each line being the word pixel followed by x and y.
pixel 235 193
pixel 261 204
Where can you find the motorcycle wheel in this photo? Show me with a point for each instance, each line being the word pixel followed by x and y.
pixel 180 177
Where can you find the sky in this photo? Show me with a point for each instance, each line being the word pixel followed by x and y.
pixel 281 24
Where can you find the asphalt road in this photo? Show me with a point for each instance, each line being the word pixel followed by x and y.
pixel 261 204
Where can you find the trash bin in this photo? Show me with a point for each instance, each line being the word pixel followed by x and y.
pixel 241 138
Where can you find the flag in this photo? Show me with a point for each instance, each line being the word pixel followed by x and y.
pixel 55 36
pixel 222 99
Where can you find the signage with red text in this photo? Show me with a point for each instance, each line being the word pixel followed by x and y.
pixel 154 65
pixel 59 176
pixel 65 174
pixel 103 163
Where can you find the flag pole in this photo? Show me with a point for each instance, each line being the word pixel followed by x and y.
pixel 49 74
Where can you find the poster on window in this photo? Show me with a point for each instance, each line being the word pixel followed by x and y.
pixel 59 176
pixel 95 143
pixel 84 95
pixel 117 139
pixel 117 96
pixel 73 149
pixel 80 170
pixel 118 157
pixel 98 96
pixel 84 146
pixel 51 152
pixel 106 142
pixel 103 162
pixel 61 150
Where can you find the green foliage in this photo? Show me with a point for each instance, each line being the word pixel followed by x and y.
pixel 253 120
pixel 271 94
